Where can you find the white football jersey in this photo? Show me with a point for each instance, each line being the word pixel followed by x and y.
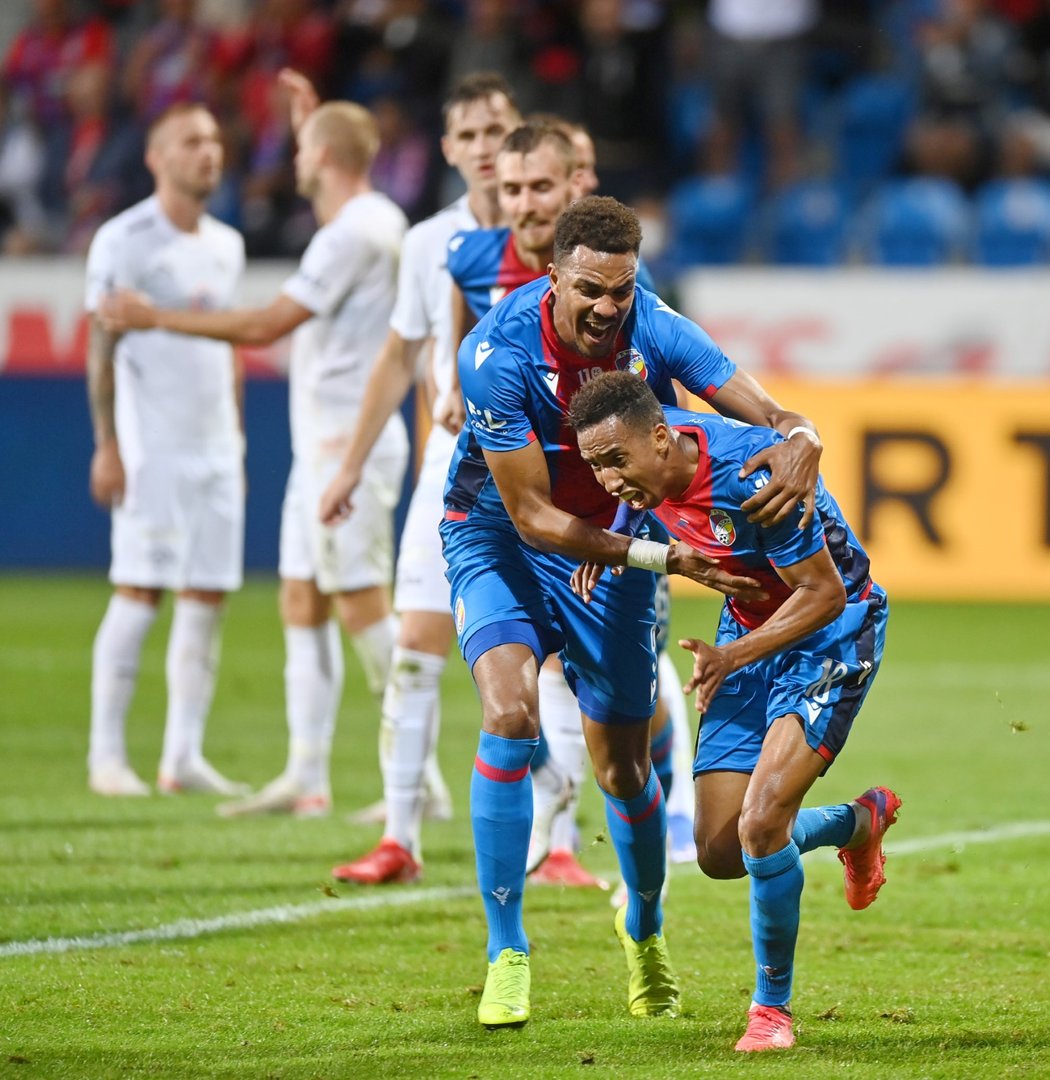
pixel 424 287
pixel 347 278
pixel 173 392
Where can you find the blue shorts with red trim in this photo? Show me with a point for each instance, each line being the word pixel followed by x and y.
pixel 505 591
pixel 822 679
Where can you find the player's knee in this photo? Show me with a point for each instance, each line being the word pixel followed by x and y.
pixel 763 831
pixel 510 719
pixel 621 779
pixel 719 861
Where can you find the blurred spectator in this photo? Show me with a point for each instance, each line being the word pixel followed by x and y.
pixel 1024 148
pixel 22 217
pixel 491 39
pixel 757 56
pixel 173 61
pixel 37 69
pixel 104 157
pixel 966 92
pixel 45 54
pixel 401 167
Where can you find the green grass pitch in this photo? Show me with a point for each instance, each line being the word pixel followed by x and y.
pixel 947 975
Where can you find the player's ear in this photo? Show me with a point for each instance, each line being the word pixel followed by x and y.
pixel 661 439
pixel 552 274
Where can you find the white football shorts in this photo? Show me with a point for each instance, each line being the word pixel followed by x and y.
pixel 181 523
pixel 421 584
pixel 359 552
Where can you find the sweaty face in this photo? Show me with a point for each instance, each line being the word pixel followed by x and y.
pixel 593 293
pixel 475 132
pixel 627 462
pixel 534 189
pixel 187 153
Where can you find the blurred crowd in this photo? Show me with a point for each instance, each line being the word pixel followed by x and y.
pixel 720 118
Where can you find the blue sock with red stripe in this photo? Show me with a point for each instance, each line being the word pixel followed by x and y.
pixel 660 748
pixel 501 815
pixel 824 826
pixel 776 891
pixel 638 830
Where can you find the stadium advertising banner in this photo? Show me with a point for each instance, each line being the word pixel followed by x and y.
pixel 931 392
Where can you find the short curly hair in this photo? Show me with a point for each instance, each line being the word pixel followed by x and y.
pixel 600 223
pixel 619 394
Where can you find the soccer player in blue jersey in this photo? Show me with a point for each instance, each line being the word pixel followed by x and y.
pixel 522 509
pixel 781 686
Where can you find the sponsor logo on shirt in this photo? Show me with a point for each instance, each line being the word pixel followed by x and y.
pixel 482 353
pixel 723 528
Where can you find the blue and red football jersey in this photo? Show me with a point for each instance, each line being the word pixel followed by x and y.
pixel 518 377
pixel 708 517
pixel 484 264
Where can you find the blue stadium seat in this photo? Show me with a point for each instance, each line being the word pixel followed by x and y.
pixel 875 112
pixel 709 219
pixel 1013 223
pixel 806 225
pixel 918 222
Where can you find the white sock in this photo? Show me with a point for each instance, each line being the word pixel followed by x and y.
pixel 681 800
pixel 410 708
pixel 114 669
pixel 374 646
pixel 563 729
pixel 191 663
pixel 313 685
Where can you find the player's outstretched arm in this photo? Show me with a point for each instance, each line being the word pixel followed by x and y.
pixel 794 464
pixel 125 310
pixel 818 597
pixel 391 379
pixel 107 469
pixel 524 485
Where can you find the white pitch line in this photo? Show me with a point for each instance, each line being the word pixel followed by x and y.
pixel 244 920
pixel 293 913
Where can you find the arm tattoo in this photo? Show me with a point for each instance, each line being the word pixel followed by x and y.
pixel 100 381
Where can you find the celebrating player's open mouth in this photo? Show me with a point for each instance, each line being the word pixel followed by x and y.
pixel 599 334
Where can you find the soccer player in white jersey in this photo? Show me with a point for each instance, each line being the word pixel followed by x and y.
pixel 168 456
pixel 478 113
pixel 338 302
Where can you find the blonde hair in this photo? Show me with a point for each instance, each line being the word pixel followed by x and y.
pixel 349 132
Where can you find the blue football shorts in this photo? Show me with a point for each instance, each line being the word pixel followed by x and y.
pixel 504 591
pixel 823 679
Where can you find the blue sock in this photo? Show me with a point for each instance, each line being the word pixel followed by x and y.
pixel 638 830
pixel 823 826
pixel 776 889
pixel 660 750
pixel 501 814
pixel 543 752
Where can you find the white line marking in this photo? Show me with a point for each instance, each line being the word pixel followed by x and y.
pixel 244 920
pixel 293 913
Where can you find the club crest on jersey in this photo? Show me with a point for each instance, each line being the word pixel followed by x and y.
pixel 632 361
pixel 461 615
pixel 723 528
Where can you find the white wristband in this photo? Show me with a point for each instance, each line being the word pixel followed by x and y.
pixel 800 430
pixel 648 555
